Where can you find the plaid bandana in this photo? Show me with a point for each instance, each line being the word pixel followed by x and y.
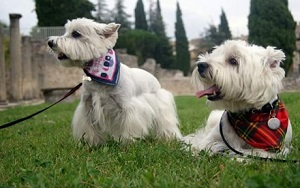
pixel 253 127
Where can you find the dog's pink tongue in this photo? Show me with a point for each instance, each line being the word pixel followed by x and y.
pixel 208 91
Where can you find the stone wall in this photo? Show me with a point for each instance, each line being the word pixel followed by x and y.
pixel 178 86
pixel 291 84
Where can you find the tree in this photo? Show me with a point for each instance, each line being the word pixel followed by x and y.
pixel 5 41
pixel 140 16
pixel 216 35
pixel 57 12
pixel 3 24
pixel 211 37
pixel 271 24
pixel 182 60
pixel 140 43
pixel 164 52
pixel 285 2
pixel 224 30
pixel 121 16
pixel 103 15
pixel 156 21
pixel 152 15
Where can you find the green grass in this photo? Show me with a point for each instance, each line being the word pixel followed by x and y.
pixel 40 152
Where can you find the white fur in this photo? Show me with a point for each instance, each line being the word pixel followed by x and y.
pixel 136 107
pixel 253 83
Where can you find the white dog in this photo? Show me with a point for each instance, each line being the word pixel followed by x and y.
pixel 117 102
pixel 242 82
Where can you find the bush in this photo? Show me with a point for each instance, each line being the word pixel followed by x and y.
pixel 138 42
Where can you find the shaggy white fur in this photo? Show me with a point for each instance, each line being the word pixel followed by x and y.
pixel 134 108
pixel 236 77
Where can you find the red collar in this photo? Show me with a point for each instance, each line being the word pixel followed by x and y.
pixel 253 127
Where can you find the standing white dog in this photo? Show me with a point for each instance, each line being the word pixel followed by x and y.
pixel 244 80
pixel 117 102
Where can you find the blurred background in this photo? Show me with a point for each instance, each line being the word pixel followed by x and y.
pixel 163 37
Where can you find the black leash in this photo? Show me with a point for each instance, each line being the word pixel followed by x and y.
pixel 251 156
pixel 40 111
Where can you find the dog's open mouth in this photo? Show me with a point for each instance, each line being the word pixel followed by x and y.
pixel 62 56
pixel 213 93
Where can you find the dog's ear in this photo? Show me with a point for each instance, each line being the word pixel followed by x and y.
pixel 110 29
pixel 274 57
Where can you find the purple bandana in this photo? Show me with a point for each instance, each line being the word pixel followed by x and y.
pixel 105 69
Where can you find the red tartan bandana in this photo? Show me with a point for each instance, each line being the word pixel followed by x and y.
pixel 253 128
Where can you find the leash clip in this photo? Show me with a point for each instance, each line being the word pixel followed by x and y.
pixel 86 78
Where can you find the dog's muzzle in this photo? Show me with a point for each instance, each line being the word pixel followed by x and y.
pixel 202 69
pixel 53 46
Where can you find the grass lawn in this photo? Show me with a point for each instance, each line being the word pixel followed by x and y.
pixel 40 152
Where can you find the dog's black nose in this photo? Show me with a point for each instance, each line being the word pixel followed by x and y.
pixel 202 67
pixel 51 43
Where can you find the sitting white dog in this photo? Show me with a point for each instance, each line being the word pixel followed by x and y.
pixel 117 102
pixel 242 82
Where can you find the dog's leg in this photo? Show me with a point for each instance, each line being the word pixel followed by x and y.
pixel 208 138
pixel 133 121
pixel 166 121
pixel 288 139
pixel 83 120
pixel 205 139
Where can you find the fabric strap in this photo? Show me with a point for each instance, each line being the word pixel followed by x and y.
pixel 42 110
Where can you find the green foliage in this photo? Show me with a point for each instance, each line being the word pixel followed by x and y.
pixel 40 152
pixel 182 61
pixel 272 24
pixel 211 37
pixel 57 12
pixel 121 16
pixel 157 25
pixel 145 45
pixel 6 51
pixel 103 15
pixel 285 2
pixel 138 42
pixel 151 15
pixel 5 44
pixel 3 24
pixel 140 16
pixel 215 36
pixel 224 30
pixel 164 52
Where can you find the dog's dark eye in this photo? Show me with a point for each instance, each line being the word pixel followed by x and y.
pixel 233 61
pixel 210 50
pixel 76 34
